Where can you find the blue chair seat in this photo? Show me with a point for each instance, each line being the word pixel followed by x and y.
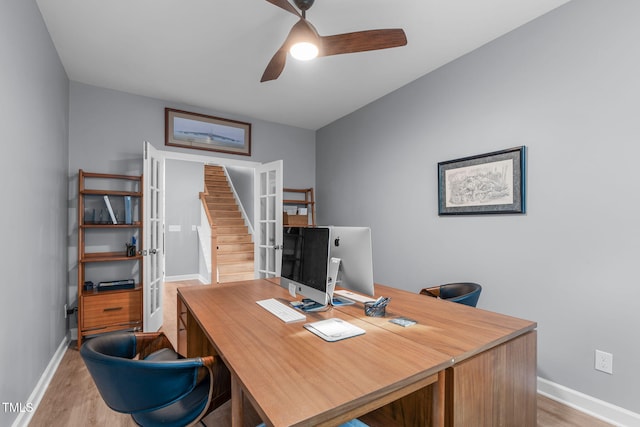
pixel 181 413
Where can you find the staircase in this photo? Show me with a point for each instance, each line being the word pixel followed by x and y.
pixel 234 254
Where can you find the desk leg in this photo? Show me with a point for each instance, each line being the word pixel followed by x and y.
pixel 439 400
pixel 236 403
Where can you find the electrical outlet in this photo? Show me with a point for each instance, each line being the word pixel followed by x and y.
pixel 65 311
pixel 604 362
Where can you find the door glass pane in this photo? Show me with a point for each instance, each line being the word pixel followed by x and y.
pixel 263 184
pixel 263 233
pixel 271 264
pixel 271 207
pixel 272 182
pixel 263 255
pixel 271 235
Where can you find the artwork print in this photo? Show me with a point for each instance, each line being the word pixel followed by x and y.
pixel 488 183
pixel 199 131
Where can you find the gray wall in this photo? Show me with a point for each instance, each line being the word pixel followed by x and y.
pixel 107 128
pixel 184 182
pixel 567 87
pixel 34 108
pixel 242 179
pixel 106 131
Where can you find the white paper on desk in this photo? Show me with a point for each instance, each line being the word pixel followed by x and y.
pixel 292 290
pixel 334 329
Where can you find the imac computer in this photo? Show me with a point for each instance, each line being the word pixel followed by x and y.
pixel 353 246
pixel 306 264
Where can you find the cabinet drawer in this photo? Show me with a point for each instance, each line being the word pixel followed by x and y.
pixel 116 308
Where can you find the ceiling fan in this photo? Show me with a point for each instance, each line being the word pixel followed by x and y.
pixel 304 42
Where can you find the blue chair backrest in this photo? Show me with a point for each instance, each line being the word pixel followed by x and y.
pixel 132 386
pixel 466 293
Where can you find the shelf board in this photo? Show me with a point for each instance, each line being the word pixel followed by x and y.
pixel 111 193
pixel 297 190
pixel 95 292
pixel 136 224
pixel 108 257
pixel 298 202
pixel 110 176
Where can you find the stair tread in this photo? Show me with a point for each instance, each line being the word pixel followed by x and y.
pixel 233 239
pixel 243 262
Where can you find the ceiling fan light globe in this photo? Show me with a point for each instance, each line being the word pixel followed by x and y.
pixel 304 51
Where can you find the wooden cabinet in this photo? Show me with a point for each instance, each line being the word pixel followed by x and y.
pixel 496 387
pixel 109 259
pixel 302 198
pixel 111 309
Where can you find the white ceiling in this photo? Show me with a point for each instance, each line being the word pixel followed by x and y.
pixel 212 53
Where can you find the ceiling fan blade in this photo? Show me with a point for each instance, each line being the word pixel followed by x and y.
pixel 362 41
pixel 275 66
pixel 284 4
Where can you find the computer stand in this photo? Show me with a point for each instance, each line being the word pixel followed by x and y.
pixel 309 305
pixel 334 269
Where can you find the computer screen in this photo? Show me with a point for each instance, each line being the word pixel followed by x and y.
pixel 353 246
pixel 305 262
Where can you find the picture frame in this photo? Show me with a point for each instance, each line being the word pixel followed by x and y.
pixel 491 183
pixel 203 132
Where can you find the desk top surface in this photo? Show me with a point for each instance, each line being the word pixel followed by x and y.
pixel 451 328
pixel 292 376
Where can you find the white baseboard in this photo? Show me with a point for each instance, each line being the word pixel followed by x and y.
pixel 24 418
pixel 186 277
pixel 589 405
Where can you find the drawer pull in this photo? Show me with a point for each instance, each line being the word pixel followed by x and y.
pixel 113 309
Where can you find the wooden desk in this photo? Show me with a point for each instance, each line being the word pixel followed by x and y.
pixel 292 377
pixel 492 381
pixel 486 362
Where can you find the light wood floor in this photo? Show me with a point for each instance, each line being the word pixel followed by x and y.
pixel 73 400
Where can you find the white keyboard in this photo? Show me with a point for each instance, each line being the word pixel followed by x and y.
pixel 281 311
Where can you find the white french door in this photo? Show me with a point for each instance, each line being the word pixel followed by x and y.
pixel 153 228
pixel 268 219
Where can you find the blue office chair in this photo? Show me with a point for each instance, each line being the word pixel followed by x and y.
pixel 141 374
pixel 466 293
pixel 159 387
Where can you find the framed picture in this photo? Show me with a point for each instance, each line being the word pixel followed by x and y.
pixel 492 183
pixel 202 132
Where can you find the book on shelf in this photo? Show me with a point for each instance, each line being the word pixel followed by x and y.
pixel 128 218
pixel 110 209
